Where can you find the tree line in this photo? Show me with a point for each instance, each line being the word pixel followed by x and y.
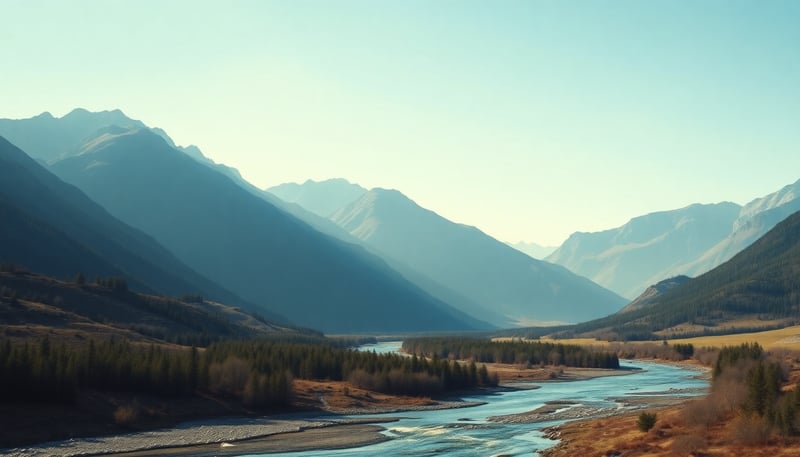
pixel 258 373
pixel 512 352
pixel 747 386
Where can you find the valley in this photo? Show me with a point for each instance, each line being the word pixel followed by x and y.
pixel 144 286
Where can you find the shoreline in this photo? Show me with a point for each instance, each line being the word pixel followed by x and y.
pixel 234 434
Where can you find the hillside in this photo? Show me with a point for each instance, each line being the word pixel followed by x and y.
pixel 648 248
pixel 517 288
pixel 52 227
pixel 32 305
pixel 243 242
pixel 757 288
pixel 654 293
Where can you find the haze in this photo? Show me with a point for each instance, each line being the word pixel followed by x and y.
pixel 528 119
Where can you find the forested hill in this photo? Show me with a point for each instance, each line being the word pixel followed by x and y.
pixel 32 305
pixel 760 285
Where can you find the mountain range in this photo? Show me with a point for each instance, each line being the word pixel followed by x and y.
pixel 688 241
pixel 458 263
pixel 756 289
pixel 330 255
pixel 648 248
pixel 246 244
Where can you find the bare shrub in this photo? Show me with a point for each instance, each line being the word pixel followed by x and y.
pixel 726 398
pixel 749 430
pixel 687 444
pixel 701 413
pixel 126 415
pixel 707 356
pixel 229 377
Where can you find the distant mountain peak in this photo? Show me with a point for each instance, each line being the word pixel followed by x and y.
pixel 648 248
pixel 535 250
pixel 322 198
pixel 508 285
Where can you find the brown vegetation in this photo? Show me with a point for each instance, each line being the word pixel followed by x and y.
pixel 726 422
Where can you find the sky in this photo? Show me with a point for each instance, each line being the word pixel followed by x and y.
pixel 528 119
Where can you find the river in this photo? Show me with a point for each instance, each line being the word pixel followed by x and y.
pixel 468 432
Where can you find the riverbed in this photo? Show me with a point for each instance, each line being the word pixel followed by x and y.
pixel 482 430
pixel 506 421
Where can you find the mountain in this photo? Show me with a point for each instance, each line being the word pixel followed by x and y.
pixel 312 189
pixel 648 248
pixel 247 244
pixel 517 288
pixel 48 138
pixel 322 198
pixel 755 219
pixel 757 289
pixel 52 227
pixel 537 251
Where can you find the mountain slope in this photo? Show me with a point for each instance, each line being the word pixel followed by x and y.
pixel 54 228
pixel 653 293
pixel 758 285
pixel 47 138
pixel 321 198
pixel 518 288
pixel 34 305
pixel 648 248
pixel 755 219
pixel 247 244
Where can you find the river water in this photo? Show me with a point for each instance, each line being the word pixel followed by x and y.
pixel 467 432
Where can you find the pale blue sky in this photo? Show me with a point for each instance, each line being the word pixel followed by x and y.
pixel 529 119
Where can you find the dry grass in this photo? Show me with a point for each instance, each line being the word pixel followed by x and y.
pixel 788 338
pixel 669 438
pixel 340 396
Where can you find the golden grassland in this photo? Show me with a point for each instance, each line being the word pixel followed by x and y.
pixel 671 437
pixel 785 338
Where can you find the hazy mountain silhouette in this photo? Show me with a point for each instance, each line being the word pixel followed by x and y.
pixel 53 228
pixel 465 260
pixel 755 219
pixel 537 251
pixel 759 284
pixel 248 245
pixel 648 248
pixel 322 198
pixel 48 138
pixel 316 192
